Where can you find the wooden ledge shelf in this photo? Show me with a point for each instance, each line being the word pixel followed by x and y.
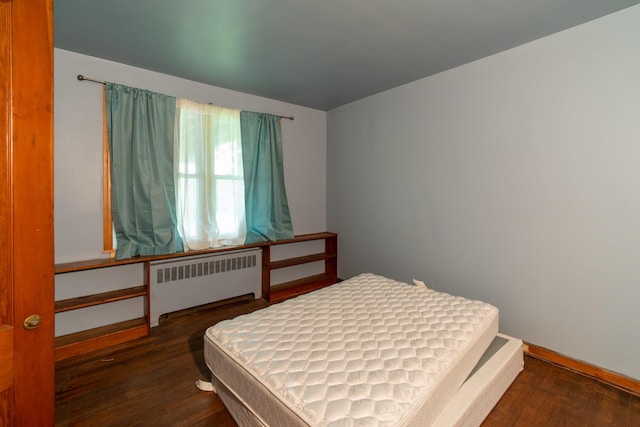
pixel 329 276
pixel 97 299
pixel 300 260
pixel 98 338
pixel 305 238
pixel 117 333
pixel 92 264
pixel 294 288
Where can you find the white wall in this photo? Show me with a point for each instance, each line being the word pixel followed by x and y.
pixel 78 148
pixel 514 179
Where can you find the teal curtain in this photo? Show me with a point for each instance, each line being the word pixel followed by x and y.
pixel 266 206
pixel 140 127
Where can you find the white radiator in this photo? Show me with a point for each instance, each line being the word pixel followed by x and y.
pixel 188 282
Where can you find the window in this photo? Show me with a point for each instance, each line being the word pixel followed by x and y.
pixel 177 178
pixel 208 175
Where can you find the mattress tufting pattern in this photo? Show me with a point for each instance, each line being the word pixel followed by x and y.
pixel 365 351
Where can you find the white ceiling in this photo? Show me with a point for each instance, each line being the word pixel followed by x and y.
pixel 316 53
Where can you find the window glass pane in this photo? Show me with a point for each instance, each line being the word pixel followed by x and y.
pixel 229 205
pixel 209 176
pixel 192 206
pixel 224 164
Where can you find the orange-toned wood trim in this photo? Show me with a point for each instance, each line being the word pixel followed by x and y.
pixel 294 288
pixel 32 209
pixel 91 264
pixel 331 263
pixel 107 229
pixel 98 299
pixel 6 220
pixel 266 272
pixel 147 305
pixel 6 357
pixel 99 338
pixel 93 339
pixel 617 380
pixel 304 238
pixel 300 260
pixel 6 405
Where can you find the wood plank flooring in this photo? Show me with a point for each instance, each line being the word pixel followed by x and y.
pixel 151 382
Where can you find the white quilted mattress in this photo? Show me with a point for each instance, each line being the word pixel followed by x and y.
pixel 367 351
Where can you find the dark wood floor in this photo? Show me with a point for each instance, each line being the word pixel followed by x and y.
pixel 151 382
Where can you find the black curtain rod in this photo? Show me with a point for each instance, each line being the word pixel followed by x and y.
pixel 83 78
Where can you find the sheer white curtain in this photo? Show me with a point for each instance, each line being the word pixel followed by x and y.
pixel 208 176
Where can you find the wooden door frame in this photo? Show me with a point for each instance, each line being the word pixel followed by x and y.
pixel 6 330
pixel 26 212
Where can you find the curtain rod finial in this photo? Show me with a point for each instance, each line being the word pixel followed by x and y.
pixel 83 78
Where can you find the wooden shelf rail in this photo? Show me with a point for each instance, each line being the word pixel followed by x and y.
pixel 103 298
pixel 97 338
pixel 282 291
